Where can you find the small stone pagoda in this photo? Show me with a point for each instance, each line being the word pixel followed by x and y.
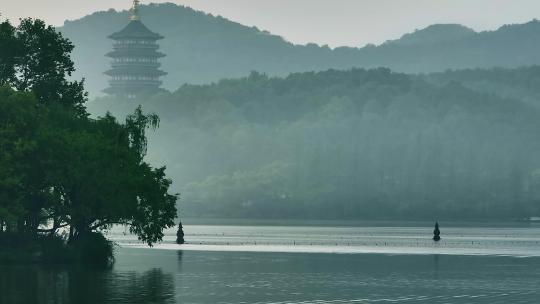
pixel 437 233
pixel 135 67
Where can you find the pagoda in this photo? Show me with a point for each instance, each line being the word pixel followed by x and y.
pixel 135 67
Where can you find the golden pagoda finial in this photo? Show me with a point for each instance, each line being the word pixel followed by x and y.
pixel 135 11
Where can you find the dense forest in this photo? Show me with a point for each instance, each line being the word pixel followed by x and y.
pixel 203 48
pixel 356 144
pixel 521 83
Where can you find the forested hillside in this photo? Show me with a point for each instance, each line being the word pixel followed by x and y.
pixel 202 48
pixel 521 83
pixel 352 144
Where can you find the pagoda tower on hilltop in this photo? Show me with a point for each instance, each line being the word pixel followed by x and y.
pixel 135 67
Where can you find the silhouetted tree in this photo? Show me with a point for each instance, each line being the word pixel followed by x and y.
pixel 60 167
pixel 36 58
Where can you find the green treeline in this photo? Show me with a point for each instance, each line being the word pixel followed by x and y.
pixel 357 144
pixel 64 176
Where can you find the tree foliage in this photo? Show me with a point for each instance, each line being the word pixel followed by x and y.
pixel 37 59
pixel 60 169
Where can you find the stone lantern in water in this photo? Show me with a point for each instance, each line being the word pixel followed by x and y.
pixel 180 234
pixel 436 233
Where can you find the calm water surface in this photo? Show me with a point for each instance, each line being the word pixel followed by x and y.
pixel 264 266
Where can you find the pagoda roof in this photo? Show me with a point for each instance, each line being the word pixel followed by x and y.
pixel 135 53
pixel 135 30
pixel 135 70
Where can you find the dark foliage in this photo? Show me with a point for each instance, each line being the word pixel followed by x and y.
pixel 92 248
pixel 61 171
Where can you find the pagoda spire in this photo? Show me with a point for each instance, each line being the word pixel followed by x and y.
pixel 135 11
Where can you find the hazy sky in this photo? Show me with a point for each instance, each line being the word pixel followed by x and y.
pixel 333 22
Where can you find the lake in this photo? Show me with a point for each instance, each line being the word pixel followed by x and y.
pixel 300 264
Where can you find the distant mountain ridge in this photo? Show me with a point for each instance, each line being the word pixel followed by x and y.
pixel 433 34
pixel 202 48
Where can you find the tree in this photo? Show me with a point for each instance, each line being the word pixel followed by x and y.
pixel 36 58
pixel 19 122
pixel 102 180
pixel 59 168
pixel 9 52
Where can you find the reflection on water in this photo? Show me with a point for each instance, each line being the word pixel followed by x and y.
pixel 164 276
pixel 436 266
pixel 61 285
pixel 143 275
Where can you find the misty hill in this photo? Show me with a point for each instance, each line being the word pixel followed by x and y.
pixel 433 35
pixel 202 48
pixel 349 144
